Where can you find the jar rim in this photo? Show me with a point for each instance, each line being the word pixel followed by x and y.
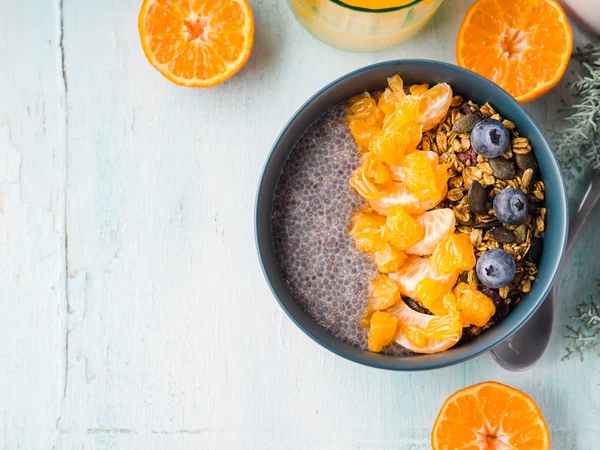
pixel 375 11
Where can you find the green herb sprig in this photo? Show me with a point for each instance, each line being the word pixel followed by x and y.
pixel 584 331
pixel 578 146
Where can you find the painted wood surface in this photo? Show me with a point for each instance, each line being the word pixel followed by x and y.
pixel 134 314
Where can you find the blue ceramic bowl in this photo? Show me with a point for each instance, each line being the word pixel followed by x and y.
pixel 470 86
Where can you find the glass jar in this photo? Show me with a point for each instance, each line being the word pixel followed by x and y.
pixel 350 25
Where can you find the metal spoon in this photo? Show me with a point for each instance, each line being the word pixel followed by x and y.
pixel 527 345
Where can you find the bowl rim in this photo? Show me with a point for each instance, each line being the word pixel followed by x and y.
pixel 387 362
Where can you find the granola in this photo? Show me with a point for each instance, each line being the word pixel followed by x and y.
pixel 478 221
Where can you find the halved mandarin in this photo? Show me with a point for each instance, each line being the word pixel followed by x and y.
pixel 196 43
pixel 524 46
pixel 490 416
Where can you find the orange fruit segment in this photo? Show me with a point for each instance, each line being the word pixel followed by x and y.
pixel 420 176
pixel 436 297
pixel 454 253
pixel 401 229
pixel 438 224
pixel 388 258
pixel 367 231
pixel 474 307
pixel 383 293
pixel 197 43
pixel 416 269
pixel 490 416
pixel 412 334
pixel 433 105
pixel 524 46
pixel 399 194
pixel 382 330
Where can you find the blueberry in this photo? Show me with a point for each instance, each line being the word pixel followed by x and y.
pixel 511 207
pixel 489 138
pixel 496 268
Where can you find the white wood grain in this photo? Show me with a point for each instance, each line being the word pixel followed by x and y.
pixel 174 339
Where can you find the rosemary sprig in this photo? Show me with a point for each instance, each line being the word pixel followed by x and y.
pixel 584 333
pixel 578 146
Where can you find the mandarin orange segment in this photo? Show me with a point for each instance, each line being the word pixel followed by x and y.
pixel 524 46
pixel 434 104
pixel 474 307
pixel 375 170
pixel 388 258
pixel 364 108
pixel 398 194
pixel 367 231
pixel 490 415
pixel 363 185
pixel 454 253
pixel 382 331
pixel 438 224
pixel 416 269
pixel 196 43
pixel 392 97
pixel 401 229
pixel 383 293
pixel 362 132
pixel 412 326
pixel 436 297
pixel 420 176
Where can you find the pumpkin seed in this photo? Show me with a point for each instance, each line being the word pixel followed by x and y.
pixel 503 169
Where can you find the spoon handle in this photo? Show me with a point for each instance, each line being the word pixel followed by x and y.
pixel 581 216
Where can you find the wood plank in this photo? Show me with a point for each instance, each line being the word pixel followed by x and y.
pixel 32 225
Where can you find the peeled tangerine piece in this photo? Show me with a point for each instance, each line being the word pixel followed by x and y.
pixel 388 258
pixel 389 145
pixel 453 254
pixel 474 307
pixel 364 119
pixel 364 185
pixel 434 105
pixel 437 297
pixel 363 107
pixel 367 231
pixel 416 269
pixel 382 330
pixel 423 333
pixel 392 97
pixel 419 176
pixel 438 224
pixel 401 229
pixel 399 194
pixel 383 293
pixel 363 132
pixel 398 173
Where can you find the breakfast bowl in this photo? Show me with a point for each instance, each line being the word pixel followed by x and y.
pixel 335 275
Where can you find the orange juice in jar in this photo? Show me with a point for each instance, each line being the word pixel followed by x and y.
pixel 364 25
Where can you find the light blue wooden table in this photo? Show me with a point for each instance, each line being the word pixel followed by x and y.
pixel 134 314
